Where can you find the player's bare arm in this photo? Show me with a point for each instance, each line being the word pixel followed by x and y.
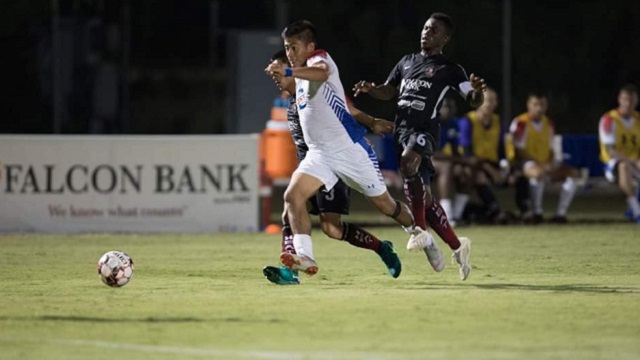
pixel 376 125
pixel 317 72
pixel 476 97
pixel 380 92
pixel 288 86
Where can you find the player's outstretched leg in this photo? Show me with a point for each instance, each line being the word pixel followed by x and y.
pixel 301 188
pixel 420 239
pixel 332 225
pixel 419 196
pixel 461 248
pixel 282 275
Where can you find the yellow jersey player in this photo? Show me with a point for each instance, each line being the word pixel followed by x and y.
pixel 481 141
pixel 619 133
pixel 532 134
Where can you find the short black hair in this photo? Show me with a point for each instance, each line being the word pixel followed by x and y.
pixel 446 20
pixel 629 88
pixel 302 29
pixel 280 56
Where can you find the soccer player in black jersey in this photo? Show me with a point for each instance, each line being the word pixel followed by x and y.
pixel 328 205
pixel 421 81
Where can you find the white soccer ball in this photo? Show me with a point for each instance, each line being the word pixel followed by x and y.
pixel 115 268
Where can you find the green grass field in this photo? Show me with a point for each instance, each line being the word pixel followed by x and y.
pixel 535 293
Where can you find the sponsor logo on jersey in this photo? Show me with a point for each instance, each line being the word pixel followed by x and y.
pixel 414 104
pixel 415 84
pixel 418 105
pixel 302 102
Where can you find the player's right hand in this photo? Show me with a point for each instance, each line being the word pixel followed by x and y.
pixel 362 87
pixel 382 126
pixel 275 70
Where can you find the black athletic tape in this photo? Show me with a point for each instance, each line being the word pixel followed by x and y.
pixel 345 231
pixel 398 210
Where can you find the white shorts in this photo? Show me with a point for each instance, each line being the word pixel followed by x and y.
pixel 356 165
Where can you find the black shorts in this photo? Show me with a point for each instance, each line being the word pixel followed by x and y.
pixel 337 200
pixel 424 142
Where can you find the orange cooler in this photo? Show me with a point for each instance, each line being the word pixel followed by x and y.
pixel 278 150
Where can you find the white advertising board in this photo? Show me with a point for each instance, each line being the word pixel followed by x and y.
pixel 62 184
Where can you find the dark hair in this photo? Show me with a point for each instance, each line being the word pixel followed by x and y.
pixel 302 29
pixel 629 88
pixel 280 56
pixel 446 20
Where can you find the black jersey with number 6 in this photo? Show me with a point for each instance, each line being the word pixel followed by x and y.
pixel 423 82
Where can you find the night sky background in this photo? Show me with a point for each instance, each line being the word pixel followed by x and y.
pixel 170 56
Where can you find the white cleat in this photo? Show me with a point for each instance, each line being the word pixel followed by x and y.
pixel 418 239
pixel 299 262
pixel 435 256
pixel 418 242
pixel 461 257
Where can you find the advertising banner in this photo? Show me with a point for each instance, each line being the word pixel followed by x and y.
pixel 54 184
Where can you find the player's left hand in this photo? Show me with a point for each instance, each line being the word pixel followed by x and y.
pixel 477 83
pixel 382 126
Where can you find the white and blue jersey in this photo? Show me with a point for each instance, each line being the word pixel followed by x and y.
pixel 325 119
pixel 337 147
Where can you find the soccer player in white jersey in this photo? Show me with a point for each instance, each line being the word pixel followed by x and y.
pixel 337 148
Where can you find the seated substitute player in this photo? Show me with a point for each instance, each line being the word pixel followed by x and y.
pixel 619 133
pixel 446 162
pixel 421 81
pixel 329 205
pixel 337 148
pixel 532 133
pixel 482 144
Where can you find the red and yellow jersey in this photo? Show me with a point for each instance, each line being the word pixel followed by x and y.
pixel 485 140
pixel 535 138
pixel 621 133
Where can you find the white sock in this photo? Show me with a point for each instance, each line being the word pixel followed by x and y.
pixel 537 191
pixel 634 205
pixel 566 196
pixel 302 244
pixel 446 206
pixel 459 204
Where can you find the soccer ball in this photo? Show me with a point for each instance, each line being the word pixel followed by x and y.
pixel 115 268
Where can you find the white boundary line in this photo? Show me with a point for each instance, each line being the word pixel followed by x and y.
pixel 209 352
pixel 317 355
